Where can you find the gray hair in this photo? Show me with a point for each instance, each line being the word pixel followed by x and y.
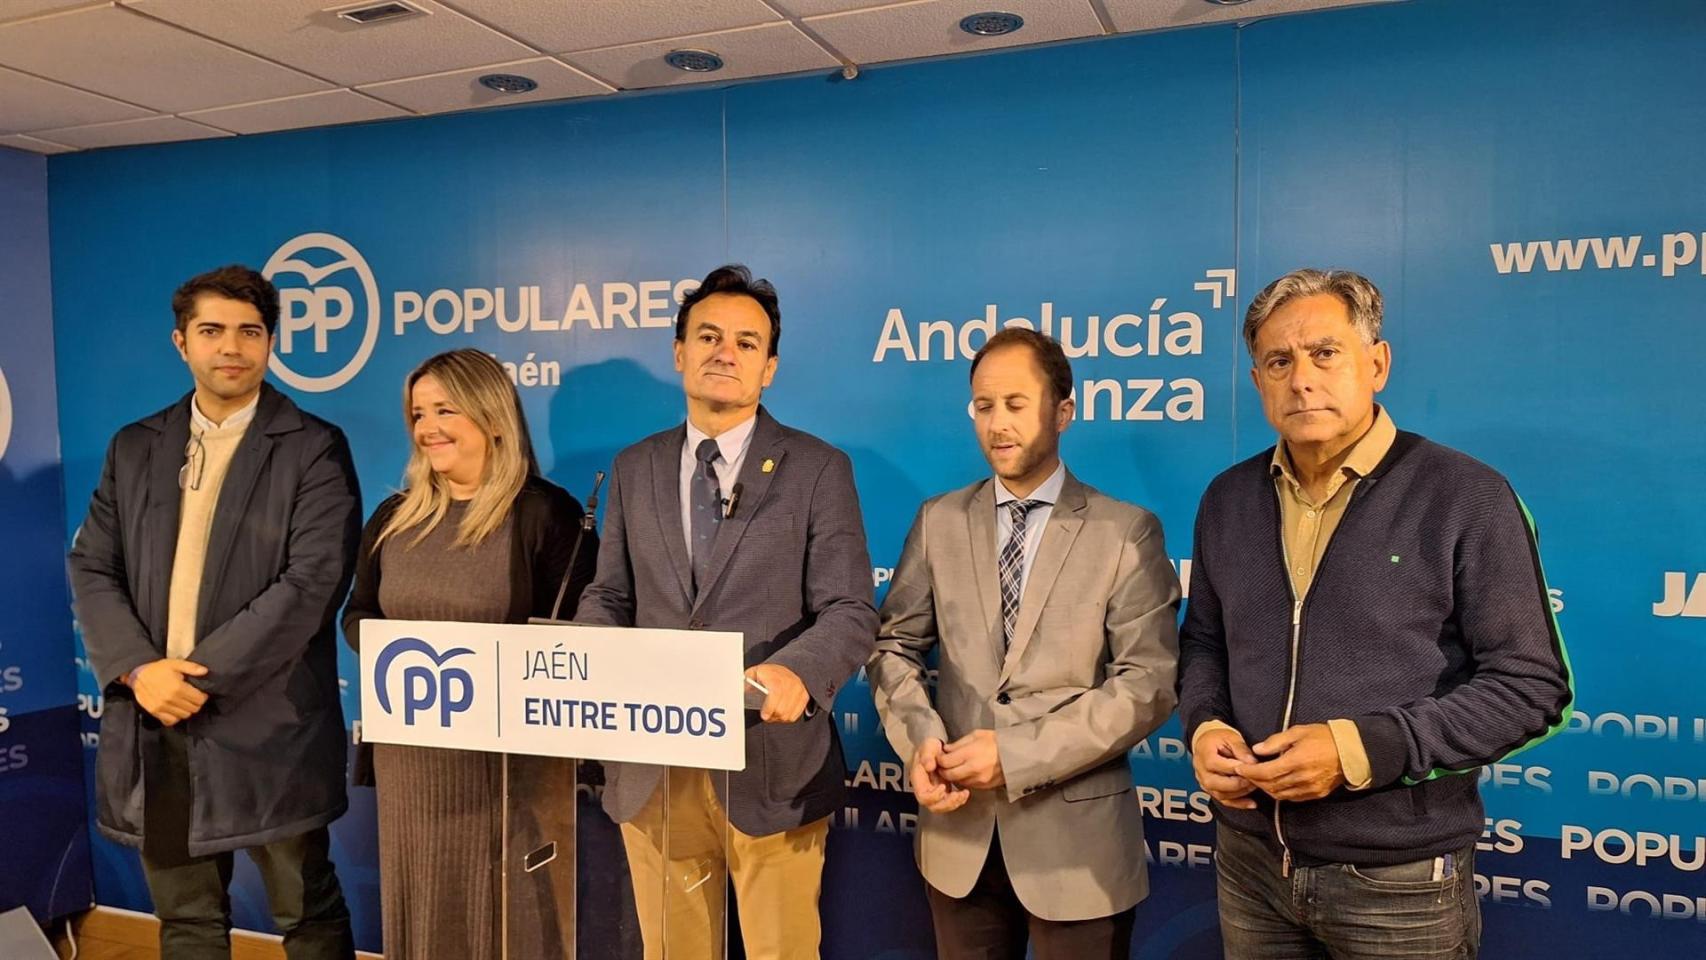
pixel 1361 297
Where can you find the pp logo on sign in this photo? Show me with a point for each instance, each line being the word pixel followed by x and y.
pixel 310 313
pixel 5 414
pixel 449 689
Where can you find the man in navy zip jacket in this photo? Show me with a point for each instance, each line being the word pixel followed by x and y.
pixel 1368 625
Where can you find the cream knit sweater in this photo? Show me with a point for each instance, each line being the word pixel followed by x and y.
pixel 195 523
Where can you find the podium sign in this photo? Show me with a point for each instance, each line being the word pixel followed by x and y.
pixel 669 697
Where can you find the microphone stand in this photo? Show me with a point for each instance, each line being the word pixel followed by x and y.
pixel 539 830
pixel 589 521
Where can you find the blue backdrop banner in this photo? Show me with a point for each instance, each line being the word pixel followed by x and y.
pixel 46 853
pixel 1520 178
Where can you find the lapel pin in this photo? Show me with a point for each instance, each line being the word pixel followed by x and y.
pixel 769 466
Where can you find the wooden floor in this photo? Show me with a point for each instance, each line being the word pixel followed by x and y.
pixel 108 934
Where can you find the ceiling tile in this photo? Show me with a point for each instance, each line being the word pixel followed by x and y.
pixel 304 35
pixel 1129 16
pixel 19 9
pixel 19 141
pixel 817 8
pixel 125 132
pixel 291 113
pixel 111 51
pixel 461 89
pixel 565 26
pixel 28 103
pixel 755 51
pixel 931 28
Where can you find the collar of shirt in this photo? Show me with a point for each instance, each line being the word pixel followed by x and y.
pixel 238 419
pixel 733 442
pixel 1046 492
pixel 1365 454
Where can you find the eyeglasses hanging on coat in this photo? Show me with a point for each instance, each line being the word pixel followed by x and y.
pixel 195 463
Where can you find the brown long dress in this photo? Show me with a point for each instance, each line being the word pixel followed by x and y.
pixel 440 827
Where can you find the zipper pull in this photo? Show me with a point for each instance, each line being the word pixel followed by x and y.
pixel 1296 612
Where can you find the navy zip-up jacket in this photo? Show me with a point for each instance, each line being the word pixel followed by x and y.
pixel 1428 624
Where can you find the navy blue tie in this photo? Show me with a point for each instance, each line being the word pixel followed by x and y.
pixel 707 509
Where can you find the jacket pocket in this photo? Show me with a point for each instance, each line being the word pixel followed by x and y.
pixel 795 757
pixel 1104 781
pixel 119 766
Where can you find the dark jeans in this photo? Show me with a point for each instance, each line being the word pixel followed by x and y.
pixel 190 893
pixel 990 923
pixel 1341 911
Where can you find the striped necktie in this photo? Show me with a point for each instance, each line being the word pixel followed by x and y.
pixel 1012 567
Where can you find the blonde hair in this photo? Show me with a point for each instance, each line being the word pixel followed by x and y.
pixel 480 390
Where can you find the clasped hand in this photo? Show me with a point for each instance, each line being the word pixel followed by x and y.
pixel 942 775
pixel 1299 763
pixel 162 690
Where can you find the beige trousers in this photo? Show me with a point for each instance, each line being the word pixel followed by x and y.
pixel 681 852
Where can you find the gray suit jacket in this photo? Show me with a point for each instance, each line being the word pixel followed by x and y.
pixel 1089 674
pixel 790 571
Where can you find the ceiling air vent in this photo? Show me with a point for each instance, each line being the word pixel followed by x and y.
pixel 694 61
pixel 992 24
pixel 371 13
pixel 508 83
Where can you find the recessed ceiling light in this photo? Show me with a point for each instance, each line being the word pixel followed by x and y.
pixel 992 24
pixel 371 13
pixel 1226 3
pixel 694 61
pixel 508 83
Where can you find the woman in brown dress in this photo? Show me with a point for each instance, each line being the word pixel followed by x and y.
pixel 476 535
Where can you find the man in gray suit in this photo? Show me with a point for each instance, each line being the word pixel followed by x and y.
pixel 734 522
pixel 1054 611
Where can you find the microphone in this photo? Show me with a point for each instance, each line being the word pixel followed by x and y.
pixel 733 501
pixel 589 520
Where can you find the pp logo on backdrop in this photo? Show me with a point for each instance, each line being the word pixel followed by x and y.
pixel 449 690
pixel 5 415
pixel 318 314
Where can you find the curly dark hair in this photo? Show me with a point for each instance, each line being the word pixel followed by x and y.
pixel 233 282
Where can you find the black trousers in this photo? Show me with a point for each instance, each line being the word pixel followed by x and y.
pixel 191 894
pixel 990 923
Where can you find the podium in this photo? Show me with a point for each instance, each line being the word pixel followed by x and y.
pixel 569 710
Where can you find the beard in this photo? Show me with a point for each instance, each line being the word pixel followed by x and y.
pixel 1021 462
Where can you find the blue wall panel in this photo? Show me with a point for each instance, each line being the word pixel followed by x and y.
pixel 1150 183
pixel 41 776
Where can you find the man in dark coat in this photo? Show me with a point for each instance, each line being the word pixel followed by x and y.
pixel 216 551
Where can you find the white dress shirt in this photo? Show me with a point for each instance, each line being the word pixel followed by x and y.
pixel 203 423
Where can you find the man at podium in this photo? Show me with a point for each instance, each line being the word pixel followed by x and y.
pixel 733 522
